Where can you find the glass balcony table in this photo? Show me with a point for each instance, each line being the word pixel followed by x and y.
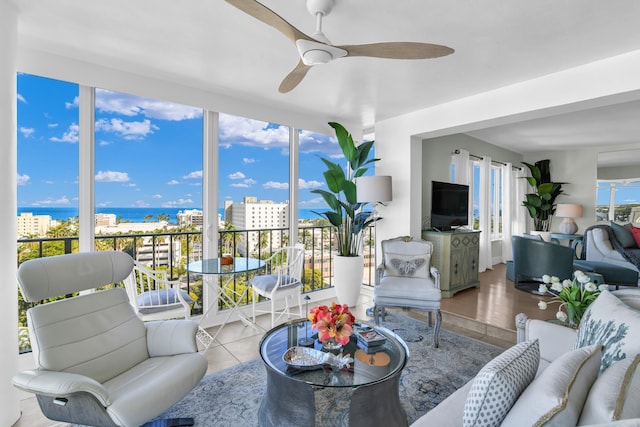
pixel 354 393
pixel 214 266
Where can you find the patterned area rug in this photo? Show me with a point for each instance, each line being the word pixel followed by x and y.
pixel 232 397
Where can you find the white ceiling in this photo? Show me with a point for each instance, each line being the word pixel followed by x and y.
pixel 209 44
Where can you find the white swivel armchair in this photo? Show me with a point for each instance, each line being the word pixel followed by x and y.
pixel 281 279
pixel 405 278
pixel 97 363
pixel 153 297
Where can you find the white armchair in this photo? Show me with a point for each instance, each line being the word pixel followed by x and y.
pixel 97 362
pixel 405 278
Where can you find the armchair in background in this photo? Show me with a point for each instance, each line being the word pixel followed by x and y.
pixel 405 278
pixel 281 279
pixel 97 362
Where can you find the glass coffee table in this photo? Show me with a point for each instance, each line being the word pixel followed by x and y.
pixel 368 388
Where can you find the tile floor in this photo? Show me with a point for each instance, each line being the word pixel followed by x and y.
pixel 486 313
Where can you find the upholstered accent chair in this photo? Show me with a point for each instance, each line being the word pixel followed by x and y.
pixel 405 278
pixel 97 362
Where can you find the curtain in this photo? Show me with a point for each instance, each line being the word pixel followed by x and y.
pixel 484 210
pixel 508 210
pixel 462 175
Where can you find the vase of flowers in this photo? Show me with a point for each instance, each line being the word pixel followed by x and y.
pixel 333 324
pixel 572 295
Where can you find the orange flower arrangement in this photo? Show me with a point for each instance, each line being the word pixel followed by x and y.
pixel 332 322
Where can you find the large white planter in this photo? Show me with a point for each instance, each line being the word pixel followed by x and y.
pixel 347 278
pixel 546 235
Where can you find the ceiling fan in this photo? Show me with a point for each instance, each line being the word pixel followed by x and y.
pixel 317 49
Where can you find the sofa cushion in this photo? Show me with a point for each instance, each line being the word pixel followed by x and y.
pixel 557 395
pixel 416 266
pixel 499 383
pixel 624 235
pixel 619 334
pixel 614 394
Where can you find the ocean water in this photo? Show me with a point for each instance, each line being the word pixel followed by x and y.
pixel 130 214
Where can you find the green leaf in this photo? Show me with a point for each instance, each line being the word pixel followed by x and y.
pixel 345 141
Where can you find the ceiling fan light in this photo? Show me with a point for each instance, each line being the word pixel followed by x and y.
pixel 316 56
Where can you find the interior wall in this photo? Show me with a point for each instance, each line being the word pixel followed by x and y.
pixel 619 172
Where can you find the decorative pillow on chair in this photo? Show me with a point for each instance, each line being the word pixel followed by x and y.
pixel 613 324
pixel 499 383
pixel 163 296
pixel 624 235
pixel 267 282
pixel 557 395
pixel 407 265
pixel 635 231
pixel 614 395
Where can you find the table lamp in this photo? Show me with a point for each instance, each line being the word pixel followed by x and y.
pixel 568 212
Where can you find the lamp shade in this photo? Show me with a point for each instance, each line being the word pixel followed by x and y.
pixel 374 188
pixel 568 210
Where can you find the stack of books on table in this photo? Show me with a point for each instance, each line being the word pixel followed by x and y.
pixel 371 341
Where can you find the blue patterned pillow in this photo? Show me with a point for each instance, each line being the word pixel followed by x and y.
pixel 612 324
pixel 499 384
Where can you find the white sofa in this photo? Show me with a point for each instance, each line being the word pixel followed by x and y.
pixel 554 341
pixel 599 247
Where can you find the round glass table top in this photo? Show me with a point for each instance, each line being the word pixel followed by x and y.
pixel 213 266
pixel 376 364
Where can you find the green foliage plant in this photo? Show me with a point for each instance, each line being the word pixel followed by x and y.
pixel 541 204
pixel 345 213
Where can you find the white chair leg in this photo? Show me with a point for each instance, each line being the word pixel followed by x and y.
pixel 273 313
pixel 300 304
pixel 253 305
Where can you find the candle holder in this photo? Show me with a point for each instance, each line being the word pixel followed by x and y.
pixel 306 341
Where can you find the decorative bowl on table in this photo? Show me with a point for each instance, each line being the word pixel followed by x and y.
pixel 305 358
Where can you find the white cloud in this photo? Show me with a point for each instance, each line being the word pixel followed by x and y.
pixel 173 182
pixel 244 184
pixel 49 202
pixel 252 133
pixel 23 179
pixel 52 125
pixel 193 175
pixel 112 176
pixel 104 204
pixel 176 203
pixel 314 203
pixel 157 196
pixel 72 104
pixel 71 135
pixel 236 175
pixel 327 145
pixel 104 143
pixel 276 185
pixel 131 105
pixel 305 185
pixel 21 98
pixel 248 160
pixel 140 204
pixel 27 132
pixel 128 130
pixel 49 182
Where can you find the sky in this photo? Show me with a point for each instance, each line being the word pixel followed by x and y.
pixel 148 153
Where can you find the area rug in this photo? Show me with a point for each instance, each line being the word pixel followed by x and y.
pixel 232 397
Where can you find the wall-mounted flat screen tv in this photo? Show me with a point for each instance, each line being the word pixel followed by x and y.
pixel 449 205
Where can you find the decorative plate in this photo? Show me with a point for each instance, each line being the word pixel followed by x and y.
pixel 305 358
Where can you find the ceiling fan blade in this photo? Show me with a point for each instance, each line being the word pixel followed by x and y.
pixel 398 50
pixel 294 77
pixel 269 17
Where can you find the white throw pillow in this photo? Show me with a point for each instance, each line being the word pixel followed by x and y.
pixel 614 395
pixel 499 383
pixel 557 395
pixel 416 266
pixel 613 324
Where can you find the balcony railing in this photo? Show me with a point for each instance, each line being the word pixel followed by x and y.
pixel 173 251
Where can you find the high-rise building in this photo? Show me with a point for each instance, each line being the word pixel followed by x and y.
pixel 105 220
pixel 190 217
pixel 33 225
pixel 254 215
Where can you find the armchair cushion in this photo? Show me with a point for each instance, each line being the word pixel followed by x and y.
pixel 162 296
pixel 170 337
pixel 614 394
pixel 52 383
pixel 407 292
pixel 619 334
pixel 401 265
pixel 499 384
pixel 557 395
pixel 267 282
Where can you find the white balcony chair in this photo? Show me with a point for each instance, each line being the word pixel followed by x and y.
pixel 405 278
pixel 281 279
pixel 153 297
pixel 97 363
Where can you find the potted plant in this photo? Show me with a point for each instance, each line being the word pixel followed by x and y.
pixel 541 203
pixel 345 214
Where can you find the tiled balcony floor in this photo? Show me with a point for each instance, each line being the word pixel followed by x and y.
pixel 486 313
